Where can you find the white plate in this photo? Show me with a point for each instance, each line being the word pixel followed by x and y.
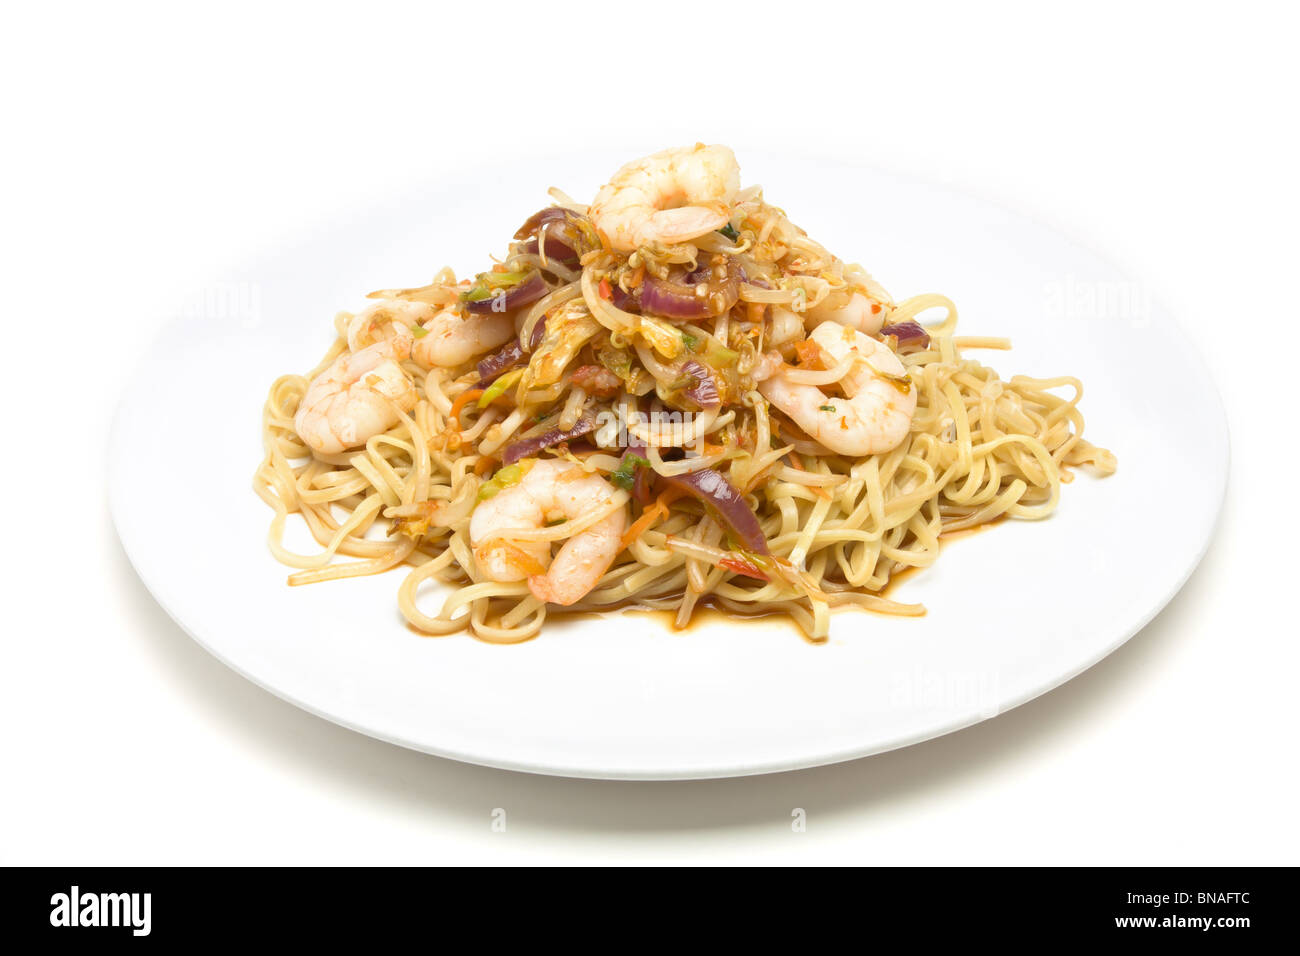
pixel 1013 611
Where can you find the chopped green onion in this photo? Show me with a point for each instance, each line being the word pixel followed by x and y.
pixel 729 232
pixel 625 475
pixel 508 476
pixel 505 478
pixel 487 283
pixel 498 388
pixel 827 408
pixel 690 341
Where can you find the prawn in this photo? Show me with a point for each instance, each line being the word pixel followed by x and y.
pixel 668 197
pixel 451 339
pixel 386 319
pixel 876 416
pixel 447 338
pixel 787 326
pixel 861 311
pixel 551 488
pixel 356 397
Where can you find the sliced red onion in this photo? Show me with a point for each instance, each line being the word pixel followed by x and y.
pixel 723 500
pixel 676 299
pixel 644 476
pixel 541 218
pixel 565 238
pixel 704 392
pixel 623 300
pixel 555 250
pixel 507 300
pixel 539 333
pixel 531 446
pixel 911 336
pixel 495 364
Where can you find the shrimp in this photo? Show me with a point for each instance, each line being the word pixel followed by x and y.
pixel 386 319
pixel 452 339
pixel 671 196
pixel 786 326
pixel 877 415
pixel 551 488
pixel 861 312
pixel 356 397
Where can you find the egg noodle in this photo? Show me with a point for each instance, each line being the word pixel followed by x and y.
pixel 686 415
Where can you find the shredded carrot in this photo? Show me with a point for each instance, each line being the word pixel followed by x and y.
pixel 499 267
pixel 738 564
pixel 797 464
pixel 605 292
pixel 652 514
pixel 463 399
pixel 483 465
pixel 637 277
pixel 810 355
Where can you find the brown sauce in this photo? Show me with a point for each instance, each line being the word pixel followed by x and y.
pixel 708 614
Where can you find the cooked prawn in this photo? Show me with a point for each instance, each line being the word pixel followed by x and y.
pixel 451 338
pixel 386 319
pixel 550 489
pixel 878 413
pixel 671 196
pixel 861 311
pixel 787 326
pixel 356 397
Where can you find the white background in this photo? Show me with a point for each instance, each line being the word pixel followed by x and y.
pixel 148 148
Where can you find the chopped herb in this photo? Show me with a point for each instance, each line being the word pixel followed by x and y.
pixel 690 341
pixel 509 475
pixel 504 478
pixel 498 388
pixel 729 232
pixel 625 475
pixel 827 408
pixel 486 284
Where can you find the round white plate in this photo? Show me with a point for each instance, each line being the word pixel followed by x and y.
pixel 1013 611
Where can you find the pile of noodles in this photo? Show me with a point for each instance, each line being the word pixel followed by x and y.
pixel 980 447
